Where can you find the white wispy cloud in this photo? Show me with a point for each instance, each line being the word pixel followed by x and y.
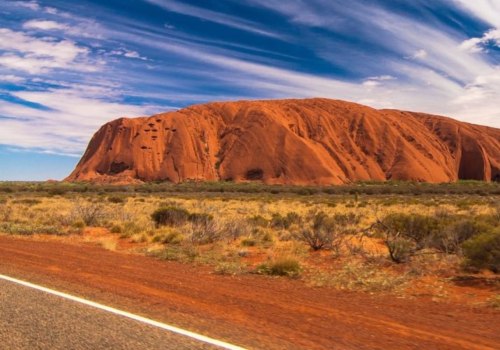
pixel 32 5
pixel 420 54
pixel 38 55
pixel 128 53
pixel 69 117
pixel 44 25
pixel 10 78
pixel 491 37
pixel 486 10
pixel 215 17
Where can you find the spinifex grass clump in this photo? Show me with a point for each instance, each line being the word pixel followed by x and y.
pixel 170 216
pixel 284 266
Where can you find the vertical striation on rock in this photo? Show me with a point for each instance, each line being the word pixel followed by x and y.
pixel 310 141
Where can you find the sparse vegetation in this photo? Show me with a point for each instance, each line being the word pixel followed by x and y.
pixel 368 236
pixel 284 266
pixel 324 232
pixel 170 216
pixel 483 251
pixel 89 212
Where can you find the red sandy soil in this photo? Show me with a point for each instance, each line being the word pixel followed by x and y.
pixel 252 311
pixel 311 141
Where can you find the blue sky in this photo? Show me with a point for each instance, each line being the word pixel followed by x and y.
pixel 67 67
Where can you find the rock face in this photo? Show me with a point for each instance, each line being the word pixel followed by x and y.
pixel 312 141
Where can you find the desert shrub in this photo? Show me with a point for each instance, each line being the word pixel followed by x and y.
pixel 248 242
pixel 170 216
pixel 89 212
pixel 200 218
pixel 443 232
pixel 79 224
pixel 346 219
pixel 406 234
pixel 323 232
pixel 284 222
pixel 451 237
pixel 229 268
pixel 416 227
pixel 400 249
pixel 258 221
pixel 204 232
pixel 266 236
pixel 177 253
pixel 5 212
pixel 130 228
pixel 483 251
pixel 116 229
pixel 116 199
pixel 280 267
pixel 171 236
pixel 56 192
pixel 234 229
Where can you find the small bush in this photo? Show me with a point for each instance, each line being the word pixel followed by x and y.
pixel 90 213
pixel 229 268
pixel 400 249
pixel 443 232
pixel 284 222
pixel 116 199
pixel 183 253
pixel 248 242
pixel 419 228
pixel 5 212
pixel 130 228
pixel 204 232
pixel 483 251
pixel 258 221
pixel 234 229
pixel 170 216
pixel 450 238
pixel 323 232
pixel 200 218
pixel 280 267
pixel 116 229
pixel 79 224
pixel 266 236
pixel 171 236
pixel 346 219
pixel 56 192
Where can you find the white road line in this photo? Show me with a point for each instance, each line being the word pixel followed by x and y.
pixel 112 310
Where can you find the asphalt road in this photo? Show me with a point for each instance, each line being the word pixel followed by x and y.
pixel 31 319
